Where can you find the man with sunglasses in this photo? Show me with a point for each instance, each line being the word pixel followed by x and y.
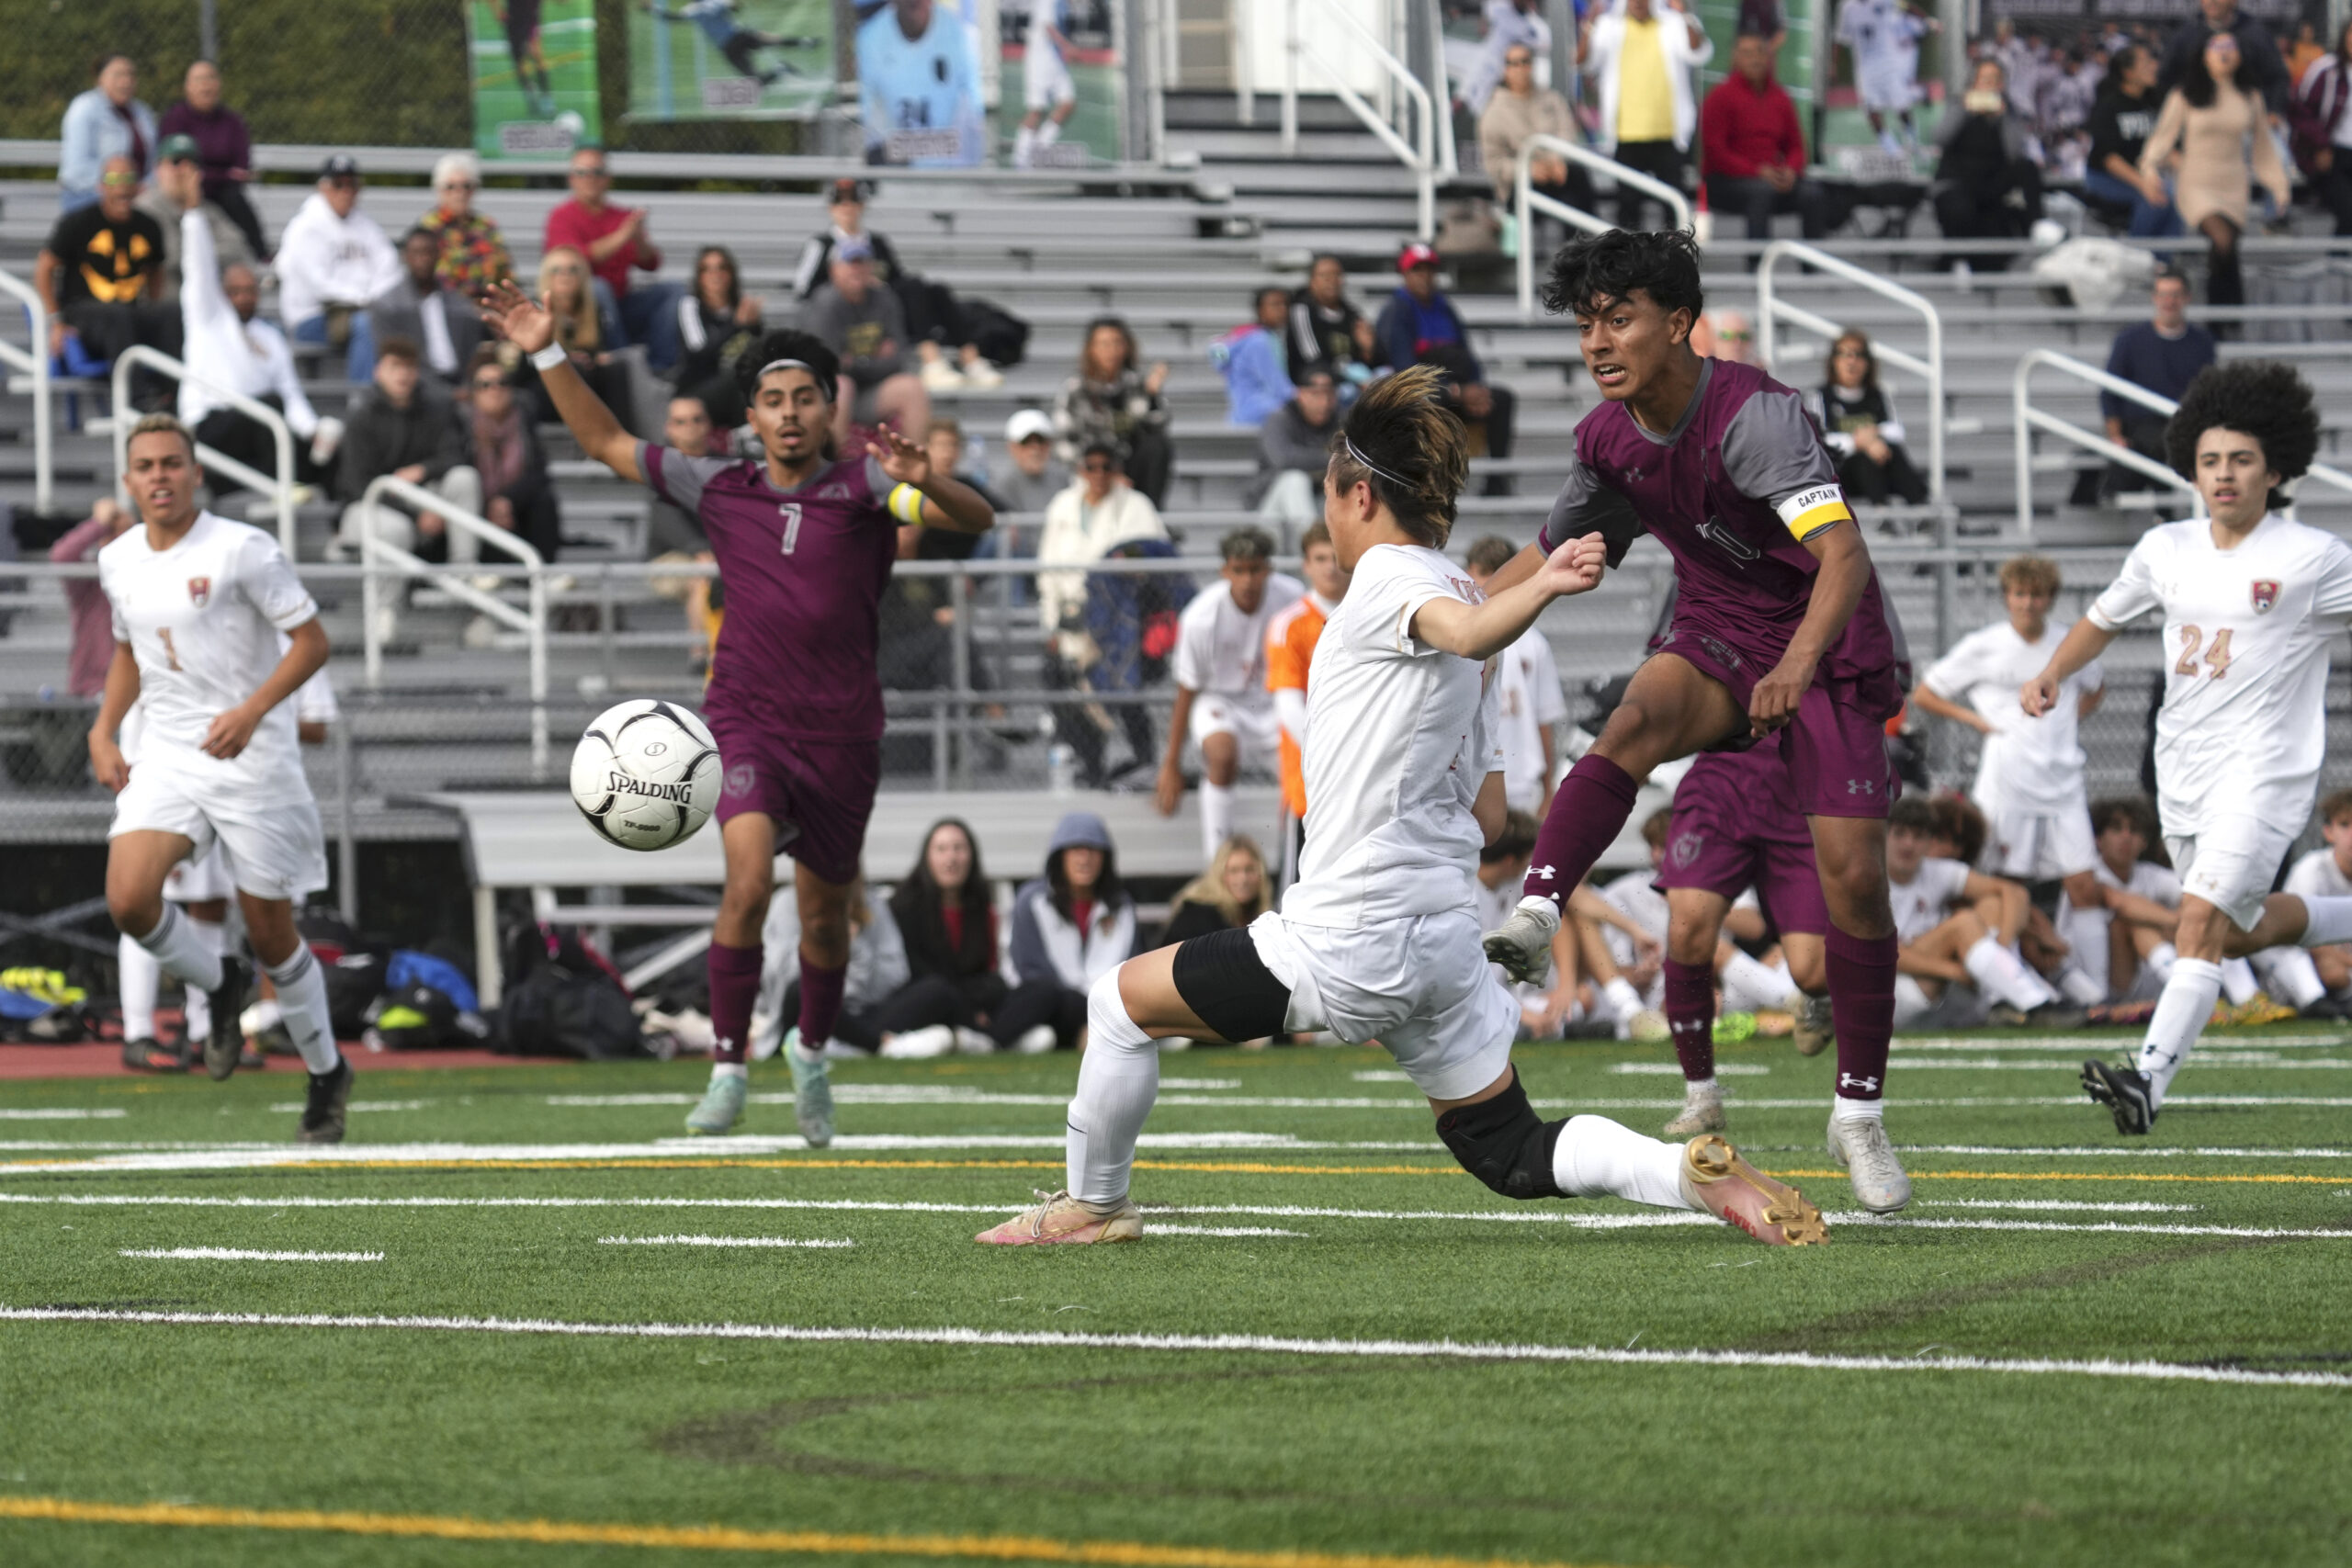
pixel 99 272
pixel 1518 110
pixel 333 261
pixel 615 240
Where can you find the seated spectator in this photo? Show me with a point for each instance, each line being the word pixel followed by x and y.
pixel 1512 27
pixel 1223 704
pixel 1233 891
pixel 875 977
pixel 1857 419
pixel 1257 379
pixel 618 241
pixel 861 322
pixel 1294 448
pixel 588 328
pixel 674 534
pixel 159 202
pixel 2164 354
pixel 718 324
pixel 1421 326
pixel 947 921
pixel 949 455
pixel 2321 120
pixel 102 123
pixel 1100 514
pixel 1037 475
pixel 936 321
pixel 1951 961
pixel 502 447
pixel 1327 333
pixel 92 652
pixel 2120 120
pixel 224 146
pixel 1111 401
pixel 423 308
pixel 1986 186
pixel 1751 149
pixel 98 274
pixel 473 253
pixel 333 261
pixel 1519 110
pixel 406 427
pixel 1070 927
pixel 1642 59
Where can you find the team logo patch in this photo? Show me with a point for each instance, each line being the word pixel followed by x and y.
pixel 1686 850
pixel 2265 594
pixel 833 492
pixel 739 780
pixel 199 592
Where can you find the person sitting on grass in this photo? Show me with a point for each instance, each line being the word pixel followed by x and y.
pixel 1951 962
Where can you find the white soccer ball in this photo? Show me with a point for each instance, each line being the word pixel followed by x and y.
pixel 646 774
pixel 571 125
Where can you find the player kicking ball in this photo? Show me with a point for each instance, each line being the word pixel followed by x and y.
pixel 1379 937
pixel 1778 626
pixel 200 603
pixel 804 539
pixel 2250 601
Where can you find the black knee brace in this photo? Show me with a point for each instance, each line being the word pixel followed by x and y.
pixel 1501 1142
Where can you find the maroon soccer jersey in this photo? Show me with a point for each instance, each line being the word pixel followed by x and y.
pixel 805 570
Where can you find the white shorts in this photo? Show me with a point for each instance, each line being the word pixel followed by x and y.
pixel 1961 1005
pixel 1257 731
pixel 200 879
pixel 2040 846
pixel 1889 85
pixel 1045 79
pixel 2232 865
pixel 275 848
pixel 1420 986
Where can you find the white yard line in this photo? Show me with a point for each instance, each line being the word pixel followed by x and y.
pixel 715 1241
pixel 2059 1203
pixel 294 1105
pixel 1258 1344
pixel 1673 1069
pixel 1157 1229
pixel 62 1113
pixel 247 1254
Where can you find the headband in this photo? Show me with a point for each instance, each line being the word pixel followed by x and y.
pixel 798 365
pixel 1346 440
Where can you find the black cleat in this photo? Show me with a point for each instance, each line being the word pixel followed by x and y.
pixel 2123 1090
pixel 228 999
pixel 152 1056
pixel 322 1109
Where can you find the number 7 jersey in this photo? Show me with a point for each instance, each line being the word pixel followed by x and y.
pixel 2244 725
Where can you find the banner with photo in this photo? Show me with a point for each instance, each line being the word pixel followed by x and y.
pixel 920 92
pixel 534 65
pixel 729 59
pixel 1061 88
pixel 948 84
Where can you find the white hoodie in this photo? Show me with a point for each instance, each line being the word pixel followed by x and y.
pixel 325 260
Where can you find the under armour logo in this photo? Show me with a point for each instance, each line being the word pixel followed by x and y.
pixel 1861 1082
pixel 1861 786
pixel 1544 871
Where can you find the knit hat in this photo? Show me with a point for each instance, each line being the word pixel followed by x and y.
pixel 1080 830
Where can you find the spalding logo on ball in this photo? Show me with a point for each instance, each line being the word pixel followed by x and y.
pixel 646 774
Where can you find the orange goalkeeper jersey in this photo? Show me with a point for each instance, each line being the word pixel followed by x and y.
pixel 1290 649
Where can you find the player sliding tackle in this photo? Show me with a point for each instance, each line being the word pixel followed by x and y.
pixel 2251 600
pixel 804 543
pixel 1379 937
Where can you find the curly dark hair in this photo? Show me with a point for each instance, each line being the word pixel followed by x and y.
pixel 823 362
pixel 2266 400
pixel 1403 441
pixel 1662 264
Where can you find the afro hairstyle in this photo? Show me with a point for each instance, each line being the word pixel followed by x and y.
pixel 2261 397
pixel 1662 264
pixel 823 362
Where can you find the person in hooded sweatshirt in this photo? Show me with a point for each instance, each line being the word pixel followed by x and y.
pixel 333 261
pixel 1070 927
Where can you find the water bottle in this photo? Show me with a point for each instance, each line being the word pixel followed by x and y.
pixel 1061 775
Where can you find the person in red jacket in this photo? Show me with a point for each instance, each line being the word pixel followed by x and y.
pixel 1751 150
pixel 616 240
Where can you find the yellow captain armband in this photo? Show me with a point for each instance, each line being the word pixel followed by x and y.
pixel 1808 511
pixel 905 504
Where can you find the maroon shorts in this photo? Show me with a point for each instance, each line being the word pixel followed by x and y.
pixel 1835 747
pixel 818 793
pixel 1710 847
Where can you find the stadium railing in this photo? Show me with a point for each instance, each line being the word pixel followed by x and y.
pixel 1419 155
pixel 280 489
pixel 1771 310
pixel 1527 202
pixel 33 360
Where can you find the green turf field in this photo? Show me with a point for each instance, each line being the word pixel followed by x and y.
pixel 2072 1350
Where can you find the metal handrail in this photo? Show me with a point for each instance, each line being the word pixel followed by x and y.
pixel 532 623
pixel 1449 157
pixel 280 489
pixel 1527 201
pixel 35 363
pixel 1421 159
pixel 1771 310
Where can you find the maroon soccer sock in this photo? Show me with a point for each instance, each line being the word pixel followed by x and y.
pixel 1861 994
pixel 1690 1017
pixel 820 1002
pixel 1593 804
pixel 734 987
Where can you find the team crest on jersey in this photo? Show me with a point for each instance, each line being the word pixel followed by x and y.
pixel 2266 593
pixel 1686 850
pixel 833 492
pixel 199 592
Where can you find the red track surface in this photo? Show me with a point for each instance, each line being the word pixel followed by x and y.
pixel 103 1059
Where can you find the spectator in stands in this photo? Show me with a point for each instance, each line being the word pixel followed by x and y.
pixel 178 152
pixel 333 261
pixel 1037 475
pixel 223 144
pixel 1527 697
pixel 99 275
pixel 718 322
pixel 2212 120
pixel 1419 326
pixel 1751 149
pixel 1110 399
pixel 1987 187
pixel 473 251
pixel 407 427
pixel 1513 25
pixel 1070 927
pixel 1516 112
pixel 946 921
pixel 1100 514
pixel 1294 448
pixel 935 319
pixel 1643 62
pixel 502 448
pixel 92 650
pixel 2162 354
pixel 1327 331
pixel 2261 71
pixel 1764 19
pixel 672 533
pixel 875 977
pixel 618 241
pixel 2119 123
pixel 951 454
pixel 863 323
pixel 1232 891
pixel 2304 53
pixel 1858 421
pixel 1721 333
pixel 2323 122
pixel 423 308
pixel 588 328
pixel 1250 358
pixel 104 122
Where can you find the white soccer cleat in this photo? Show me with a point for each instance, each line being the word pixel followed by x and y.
pixel 920 1044
pixel 1859 1144
pixel 1703 1111
pixel 1523 945
pixel 1062 1220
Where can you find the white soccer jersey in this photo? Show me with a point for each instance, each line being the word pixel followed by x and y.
pixel 2028 764
pixel 1221 650
pixel 2244 725
pixel 2316 875
pixel 1923 903
pixel 1633 897
pixel 1401 737
pixel 2084 931
pixel 1884 38
pixel 921 95
pixel 1528 698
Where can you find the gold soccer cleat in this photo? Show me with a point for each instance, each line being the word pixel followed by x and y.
pixel 1715 1179
pixel 1062 1219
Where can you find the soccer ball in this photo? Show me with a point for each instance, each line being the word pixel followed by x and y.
pixel 571 125
pixel 646 774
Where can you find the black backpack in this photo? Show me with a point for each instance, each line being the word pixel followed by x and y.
pixel 564 999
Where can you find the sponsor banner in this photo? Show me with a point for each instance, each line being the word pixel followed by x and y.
pixel 534 65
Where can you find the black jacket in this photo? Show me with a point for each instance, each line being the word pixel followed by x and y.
pixel 2264 70
pixel 378 438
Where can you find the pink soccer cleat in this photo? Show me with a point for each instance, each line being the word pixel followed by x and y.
pixel 1063 1219
pixel 1716 1180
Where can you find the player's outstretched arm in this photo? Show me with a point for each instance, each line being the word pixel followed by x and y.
pixel 234 728
pixel 947 502
pixel 2085 641
pixel 523 321
pixel 107 762
pixel 1481 631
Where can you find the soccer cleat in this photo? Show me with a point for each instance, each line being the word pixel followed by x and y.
pixel 1523 945
pixel 932 1040
pixel 150 1056
pixel 812 1092
pixel 1859 1144
pixel 1716 1180
pixel 938 376
pixel 323 1106
pixel 1815 1028
pixel 1703 1111
pixel 721 1106
pixel 228 1000
pixel 1036 1041
pixel 1649 1026
pixel 1062 1219
pixel 2123 1090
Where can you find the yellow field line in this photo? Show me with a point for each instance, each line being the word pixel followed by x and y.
pixel 2087 1176
pixel 717 1538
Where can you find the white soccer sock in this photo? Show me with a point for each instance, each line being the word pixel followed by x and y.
pixel 1600 1158
pixel 182 951
pixel 2179 1018
pixel 2161 958
pixel 1025 143
pixel 141 978
pixel 2238 983
pixel 1118 1078
pixel 2002 975
pixel 302 1006
pixel 2289 973
pixel 194 1006
pixel 2079 988
pixel 1749 984
pixel 1623 999
pixel 1843 1109
pixel 2330 922
pixel 1696 1089
pixel 1216 816
pixel 1049 131
pixel 729 1070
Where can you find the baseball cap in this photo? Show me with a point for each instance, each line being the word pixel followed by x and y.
pixel 1028 422
pixel 1416 254
pixel 339 165
pixel 854 248
pixel 178 148
pixel 844 190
